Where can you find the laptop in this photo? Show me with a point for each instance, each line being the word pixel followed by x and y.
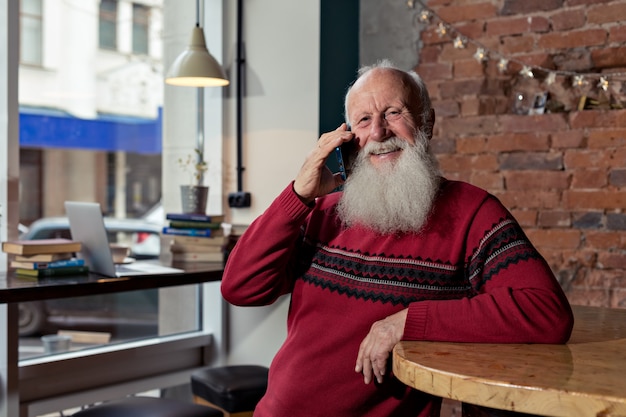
pixel 87 226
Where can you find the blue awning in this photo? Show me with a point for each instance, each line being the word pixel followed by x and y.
pixel 48 128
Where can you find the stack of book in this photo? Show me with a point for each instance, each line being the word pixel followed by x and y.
pixel 45 257
pixel 195 237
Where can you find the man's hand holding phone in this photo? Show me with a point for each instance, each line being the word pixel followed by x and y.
pixel 315 179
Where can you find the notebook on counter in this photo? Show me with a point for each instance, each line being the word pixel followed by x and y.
pixel 87 227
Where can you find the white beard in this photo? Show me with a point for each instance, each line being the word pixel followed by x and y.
pixel 393 198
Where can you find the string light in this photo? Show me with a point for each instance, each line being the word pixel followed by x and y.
pixel 578 80
pixel 527 72
pixel 480 55
pixel 503 64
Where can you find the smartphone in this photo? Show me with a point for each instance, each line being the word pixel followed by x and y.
pixel 345 157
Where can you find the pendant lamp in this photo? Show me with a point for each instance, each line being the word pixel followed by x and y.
pixel 195 66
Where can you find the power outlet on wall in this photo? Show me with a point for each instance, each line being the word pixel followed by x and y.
pixel 239 199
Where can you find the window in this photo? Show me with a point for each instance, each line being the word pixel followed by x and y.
pixel 108 24
pixel 141 19
pixel 31 32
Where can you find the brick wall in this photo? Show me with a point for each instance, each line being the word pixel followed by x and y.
pixel 561 173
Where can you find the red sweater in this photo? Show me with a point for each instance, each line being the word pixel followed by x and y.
pixel 470 275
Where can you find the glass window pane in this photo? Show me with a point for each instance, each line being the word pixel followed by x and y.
pixel 108 24
pixel 31 32
pixel 90 130
pixel 140 29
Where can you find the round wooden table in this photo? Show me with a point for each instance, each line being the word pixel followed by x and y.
pixel 585 377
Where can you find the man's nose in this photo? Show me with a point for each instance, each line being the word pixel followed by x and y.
pixel 379 129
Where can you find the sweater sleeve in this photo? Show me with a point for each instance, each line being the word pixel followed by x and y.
pixel 259 268
pixel 517 297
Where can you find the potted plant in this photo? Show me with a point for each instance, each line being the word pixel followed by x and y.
pixel 194 195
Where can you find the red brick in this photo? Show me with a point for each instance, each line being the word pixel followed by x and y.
pixel 538 59
pixel 471 145
pixel 568 139
pixel 567 19
pixel 596 118
pixel 525 217
pixel 612 260
pixel 604 240
pixel 525 199
pixel 512 7
pixel 451 54
pixel 609 57
pixel 470 106
pixel 468 68
pixel 451 163
pixel 599 199
pixel 607 13
pixel 606 138
pixel 576 39
pixel 507 26
pixel 584 158
pixel 517 44
pixel 446 108
pixel 430 53
pixel 538 123
pixel 554 219
pixel 585 2
pixel 589 179
pixel 519 142
pixel 470 126
pixel 478 11
pixel 491 181
pixel 453 89
pixel 555 238
pixel 617 34
pixel 435 71
pixel 471 30
pixel 531 180
pixel 539 24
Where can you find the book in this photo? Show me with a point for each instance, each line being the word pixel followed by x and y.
pixel 43 265
pixel 35 246
pixel 198 240
pixel 195 217
pixel 181 247
pixel 198 257
pixel 53 272
pixel 184 224
pixel 44 257
pixel 192 232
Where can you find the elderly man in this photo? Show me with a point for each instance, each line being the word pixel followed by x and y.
pixel 400 254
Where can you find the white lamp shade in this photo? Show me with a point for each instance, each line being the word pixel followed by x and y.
pixel 195 66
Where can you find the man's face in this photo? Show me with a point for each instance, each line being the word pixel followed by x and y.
pixel 380 107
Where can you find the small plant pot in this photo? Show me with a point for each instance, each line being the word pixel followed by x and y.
pixel 194 198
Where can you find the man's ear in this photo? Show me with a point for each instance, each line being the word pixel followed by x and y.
pixel 430 123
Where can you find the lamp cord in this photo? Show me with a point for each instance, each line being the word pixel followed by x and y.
pixel 241 62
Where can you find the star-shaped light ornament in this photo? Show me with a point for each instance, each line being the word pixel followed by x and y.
pixel 527 72
pixel 410 4
pixel 550 78
pixel 603 84
pixel 579 81
pixel 441 30
pixel 459 42
pixel 424 16
pixel 480 55
pixel 503 64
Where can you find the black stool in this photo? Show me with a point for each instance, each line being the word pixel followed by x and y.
pixel 234 390
pixel 147 407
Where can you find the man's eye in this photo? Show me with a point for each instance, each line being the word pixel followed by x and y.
pixel 393 115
